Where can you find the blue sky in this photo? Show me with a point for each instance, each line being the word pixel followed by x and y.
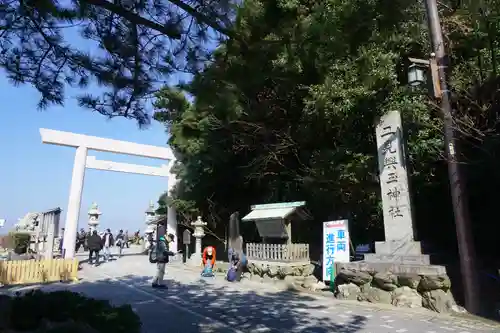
pixel 35 176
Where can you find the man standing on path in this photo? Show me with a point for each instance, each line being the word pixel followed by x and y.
pixel 108 242
pixel 162 252
pixel 94 242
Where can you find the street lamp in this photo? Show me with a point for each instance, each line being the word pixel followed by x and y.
pixel 418 72
pixel 416 75
pixel 437 64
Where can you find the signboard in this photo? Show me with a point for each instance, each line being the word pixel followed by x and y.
pixel 335 245
pixel 2 222
pixel 186 237
pixel 271 229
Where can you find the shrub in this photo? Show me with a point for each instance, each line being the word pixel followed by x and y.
pixel 19 241
pixel 66 311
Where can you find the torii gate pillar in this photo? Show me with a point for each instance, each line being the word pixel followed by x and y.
pixel 83 143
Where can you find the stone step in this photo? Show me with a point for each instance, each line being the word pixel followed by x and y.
pixel 422 259
pixel 399 247
pixel 395 268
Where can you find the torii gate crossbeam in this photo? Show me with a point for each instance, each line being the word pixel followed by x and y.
pixel 83 143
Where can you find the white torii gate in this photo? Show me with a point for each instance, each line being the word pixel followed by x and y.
pixel 84 143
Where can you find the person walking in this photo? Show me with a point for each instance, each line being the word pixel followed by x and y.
pixel 120 242
pixel 160 254
pixel 108 242
pixel 126 239
pixel 94 242
pixel 61 241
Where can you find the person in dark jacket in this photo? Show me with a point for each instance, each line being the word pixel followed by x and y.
pixel 163 254
pixel 94 243
pixel 80 240
pixel 120 242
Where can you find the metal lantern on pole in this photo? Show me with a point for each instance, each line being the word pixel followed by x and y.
pixel 418 72
pixel 416 75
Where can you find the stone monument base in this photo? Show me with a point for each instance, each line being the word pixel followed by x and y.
pixel 402 285
pixel 406 247
pixel 393 267
pixel 422 259
pixel 398 252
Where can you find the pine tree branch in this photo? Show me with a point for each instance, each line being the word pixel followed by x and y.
pixel 135 18
pixel 203 19
pixel 170 32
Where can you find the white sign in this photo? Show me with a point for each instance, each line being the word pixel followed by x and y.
pixel 2 222
pixel 335 245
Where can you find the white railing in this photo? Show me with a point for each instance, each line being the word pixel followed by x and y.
pixel 278 252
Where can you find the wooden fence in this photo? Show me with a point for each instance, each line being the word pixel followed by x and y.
pixel 278 252
pixel 38 271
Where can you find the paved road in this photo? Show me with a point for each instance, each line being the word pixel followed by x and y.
pixel 194 305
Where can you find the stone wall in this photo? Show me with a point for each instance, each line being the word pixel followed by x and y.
pixel 401 290
pixel 411 290
pixel 294 275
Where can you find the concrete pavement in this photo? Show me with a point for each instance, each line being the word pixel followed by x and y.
pixel 192 305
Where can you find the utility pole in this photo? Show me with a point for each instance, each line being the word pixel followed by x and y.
pixel 457 182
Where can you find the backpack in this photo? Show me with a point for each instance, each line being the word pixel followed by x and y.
pixel 153 258
pixel 231 274
pixel 207 271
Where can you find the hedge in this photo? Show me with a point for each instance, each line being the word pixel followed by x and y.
pixel 64 312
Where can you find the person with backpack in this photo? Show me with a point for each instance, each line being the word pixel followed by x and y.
pixel 160 255
pixel 237 262
pixel 208 259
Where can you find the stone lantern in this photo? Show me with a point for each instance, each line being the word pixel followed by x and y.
pixel 94 215
pixel 198 234
pixel 150 218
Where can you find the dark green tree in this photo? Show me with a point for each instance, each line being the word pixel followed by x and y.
pixel 287 112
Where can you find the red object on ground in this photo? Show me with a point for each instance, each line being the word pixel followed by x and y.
pixel 206 255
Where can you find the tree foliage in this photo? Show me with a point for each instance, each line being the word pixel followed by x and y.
pixel 138 45
pixel 287 111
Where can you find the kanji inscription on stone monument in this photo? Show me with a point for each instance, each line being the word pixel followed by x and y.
pixel 394 178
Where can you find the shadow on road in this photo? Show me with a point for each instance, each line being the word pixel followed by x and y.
pixel 187 308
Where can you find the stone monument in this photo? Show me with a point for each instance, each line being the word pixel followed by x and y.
pixel 198 234
pixel 42 227
pixel 27 223
pixel 235 238
pixel 94 214
pixel 397 273
pixel 399 245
